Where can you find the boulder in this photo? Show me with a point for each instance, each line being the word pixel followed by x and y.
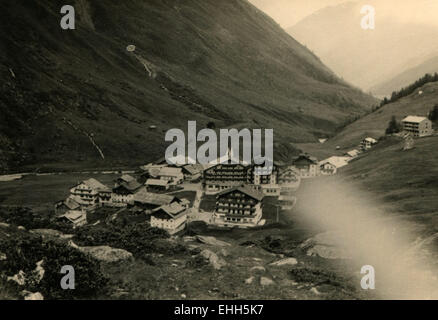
pixel 212 241
pixel 266 281
pixel 285 262
pixel 3 256
pixel 107 254
pixel 328 252
pixel 32 296
pixel 19 278
pixel 328 245
pixel 216 262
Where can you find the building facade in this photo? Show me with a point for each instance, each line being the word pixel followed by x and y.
pixel 172 218
pixel 307 166
pixel 417 126
pixel 91 194
pixel 239 207
pixel 226 176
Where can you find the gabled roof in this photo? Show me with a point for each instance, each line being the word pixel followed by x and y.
pixel 249 191
pixel 306 157
pixel 173 211
pixel 130 186
pixel 96 185
pixel 415 119
pixel 153 198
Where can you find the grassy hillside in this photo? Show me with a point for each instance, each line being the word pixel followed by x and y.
pixel 406 180
pixel 69 97
pixel 375 123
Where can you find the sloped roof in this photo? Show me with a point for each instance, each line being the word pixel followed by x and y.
pixel 153 198
pixel 306 157
pixel 157 182
pixel 369 139
pixel 74 215
pixel 255 194
pixel 415 119
pixel 127 178
pixel 96 185
pixel 71 203
pixel 338 162
pixel 168 171
pixel 353 153
pixel 194 168
pixel 131 186
pixel 173 210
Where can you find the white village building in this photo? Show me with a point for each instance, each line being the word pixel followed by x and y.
pixel 417 126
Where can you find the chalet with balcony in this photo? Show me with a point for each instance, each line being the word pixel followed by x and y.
pixel 239 207
pixel 91 194
pixel 417 126
pixel 226 176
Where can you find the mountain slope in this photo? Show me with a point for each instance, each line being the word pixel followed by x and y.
pixel 405 78
pixel 368 57
pixel 72 98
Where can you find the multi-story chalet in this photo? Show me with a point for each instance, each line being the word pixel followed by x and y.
pixel 149 201
pixel 289 176
pixel 418 126
pixel 225 176
pixel 91 194
pixel 238 207
pixel 173 175
pixel 172 218
pixel 124 192
pixel 367 143
pixel 307 166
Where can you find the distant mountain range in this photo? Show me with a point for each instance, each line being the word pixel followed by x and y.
pixel 72 98
pixel 406 77
pixel 370 59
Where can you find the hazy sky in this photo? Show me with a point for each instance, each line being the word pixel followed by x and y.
pixel 288 12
